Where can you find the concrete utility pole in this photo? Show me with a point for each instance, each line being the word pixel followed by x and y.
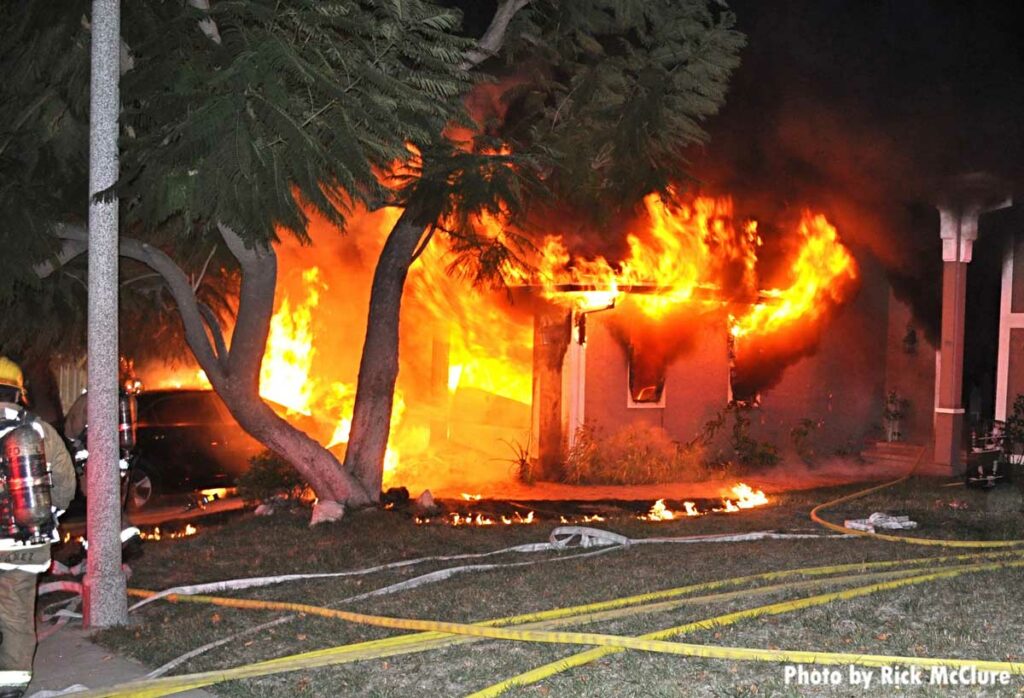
pixel 106 602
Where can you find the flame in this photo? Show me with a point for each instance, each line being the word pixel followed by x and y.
pixel 678 253
pixel 696 253
pixel 747 497
pixel 478 519
pixel 487 347
pixel 693 253
pixel 821 275
pixel 157 534
pixel 744 495
pixel 587 518
pixel 284 375
pixel 660 512
pixel 472 497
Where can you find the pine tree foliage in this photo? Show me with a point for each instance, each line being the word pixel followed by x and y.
pixel 621 90
pixel 44 52
pixel 300 103
pixel 601 100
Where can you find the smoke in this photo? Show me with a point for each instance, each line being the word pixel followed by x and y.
pixel 863 110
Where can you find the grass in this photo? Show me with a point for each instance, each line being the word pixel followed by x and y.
pixel 975 616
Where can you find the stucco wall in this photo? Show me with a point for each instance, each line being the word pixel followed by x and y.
pixel 841 385
pixel 911 373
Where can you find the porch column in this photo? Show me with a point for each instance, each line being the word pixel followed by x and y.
pixel 959 230
pixel 958 227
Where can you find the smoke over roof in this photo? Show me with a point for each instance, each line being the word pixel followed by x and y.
pixel 864 110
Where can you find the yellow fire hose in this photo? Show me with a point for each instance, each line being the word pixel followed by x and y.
pixel 589 656
pixel 437 634
pixel 793 656
pixel 946 543
pixel 405 643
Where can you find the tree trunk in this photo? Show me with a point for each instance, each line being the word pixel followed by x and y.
pixel 234 374
pixel 378 367
pixel 316 464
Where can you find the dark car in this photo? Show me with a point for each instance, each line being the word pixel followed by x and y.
pixel 186 440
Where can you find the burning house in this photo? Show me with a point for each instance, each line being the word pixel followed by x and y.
pixel 784 321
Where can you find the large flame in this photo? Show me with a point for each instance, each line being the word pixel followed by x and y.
pixel 678 253
pixel 466 358
pixel 820 277
pixel 285 373
pixel 696 253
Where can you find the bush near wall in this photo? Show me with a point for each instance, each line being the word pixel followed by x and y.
pixel 633 455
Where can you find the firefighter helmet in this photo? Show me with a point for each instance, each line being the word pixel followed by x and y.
pixel 10 374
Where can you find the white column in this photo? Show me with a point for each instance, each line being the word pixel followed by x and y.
pixel 574 380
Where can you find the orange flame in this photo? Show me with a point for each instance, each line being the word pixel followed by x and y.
pixel 821 275
pixel 284 375
pixel 471 519
pixel 679 254
pixel 743 496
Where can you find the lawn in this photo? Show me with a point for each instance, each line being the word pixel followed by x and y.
pixel 973 616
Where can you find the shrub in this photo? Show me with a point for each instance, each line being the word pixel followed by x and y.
pixel 636 454
pixel 522 465
pixel 270 476
pixel 801 436
pixel 749 451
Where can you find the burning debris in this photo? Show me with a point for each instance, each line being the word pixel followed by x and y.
pixel 742 497
pixel 478 519
pixel 156 534
pixel 497 513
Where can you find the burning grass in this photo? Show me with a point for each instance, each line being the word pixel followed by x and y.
pixel 977 617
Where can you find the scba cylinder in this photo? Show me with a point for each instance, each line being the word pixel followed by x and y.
pixel 28 484
pixel 126 417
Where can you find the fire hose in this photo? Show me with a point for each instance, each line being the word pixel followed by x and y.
pixel 583 658
pixel 942 542
pixel 440 633
pixel 651 642
pixel 561 538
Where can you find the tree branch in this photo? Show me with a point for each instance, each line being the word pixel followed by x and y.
pixel 215 330
pixel 185 298
pixel 202 272
pixel 208 26
pixel 69 250
pixel 491 42
pixel 255 305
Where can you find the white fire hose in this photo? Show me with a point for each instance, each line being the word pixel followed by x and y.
pixel 561 538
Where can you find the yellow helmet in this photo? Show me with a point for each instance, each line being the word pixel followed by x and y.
pixel 10 374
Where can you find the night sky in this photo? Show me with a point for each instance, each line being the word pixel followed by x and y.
pixel 865 109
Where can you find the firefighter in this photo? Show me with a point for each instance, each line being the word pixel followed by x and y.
pixel 19 564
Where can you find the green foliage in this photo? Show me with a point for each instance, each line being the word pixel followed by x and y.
pixel 596 102
pixel 635 454
pixel 618 91
pixel 522 464
pixel 749 451
pixel 44 52
pixel 302 103
pixel 801 436
pixel 269 476
pixel 298 104
pixel 1013 433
